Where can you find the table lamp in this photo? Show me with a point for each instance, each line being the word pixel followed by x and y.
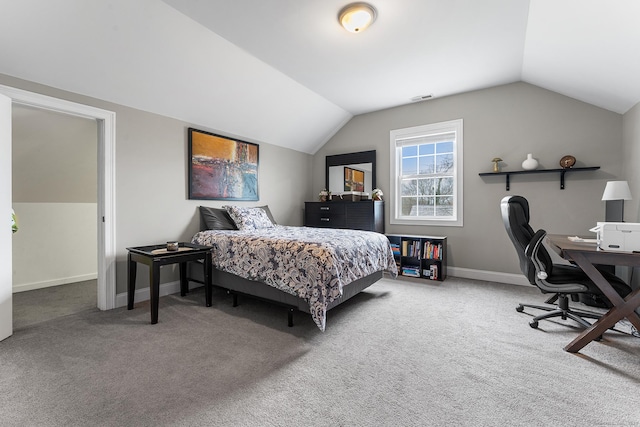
pixel 615 193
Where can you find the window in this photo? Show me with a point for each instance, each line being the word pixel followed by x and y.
pixel 426 174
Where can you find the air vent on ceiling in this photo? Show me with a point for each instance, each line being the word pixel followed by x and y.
pixel 421 98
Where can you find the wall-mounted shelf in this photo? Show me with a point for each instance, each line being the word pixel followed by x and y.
pixel 562 172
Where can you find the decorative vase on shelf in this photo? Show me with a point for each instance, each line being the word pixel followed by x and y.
pixel 530 163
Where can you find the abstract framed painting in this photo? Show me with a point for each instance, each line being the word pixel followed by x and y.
pixel 353 179
pixel 222 168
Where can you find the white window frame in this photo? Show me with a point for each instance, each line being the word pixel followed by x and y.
pixel 399 137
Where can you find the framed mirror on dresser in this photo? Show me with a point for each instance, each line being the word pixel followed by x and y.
pixel 346 174
pixel 339 165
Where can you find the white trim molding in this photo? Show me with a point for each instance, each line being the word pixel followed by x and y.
pixel 54 282
pixel 106 181
pixel 488 276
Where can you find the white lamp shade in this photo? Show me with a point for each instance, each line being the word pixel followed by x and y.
pixel 617 190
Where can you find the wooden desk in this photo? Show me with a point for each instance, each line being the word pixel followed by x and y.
pixel 585 255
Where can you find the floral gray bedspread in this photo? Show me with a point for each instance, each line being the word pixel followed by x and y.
pixel 311 263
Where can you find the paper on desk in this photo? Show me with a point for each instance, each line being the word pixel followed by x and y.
pixel 580 239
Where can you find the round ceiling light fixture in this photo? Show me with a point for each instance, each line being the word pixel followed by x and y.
pixel 356 17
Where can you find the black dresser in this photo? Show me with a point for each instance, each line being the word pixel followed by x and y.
pixel 364 215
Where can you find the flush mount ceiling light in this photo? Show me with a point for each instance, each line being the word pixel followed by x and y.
pixel 356 17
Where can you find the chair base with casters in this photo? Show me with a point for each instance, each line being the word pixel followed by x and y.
pixel 562 310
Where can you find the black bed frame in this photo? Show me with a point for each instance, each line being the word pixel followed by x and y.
pixel 236 285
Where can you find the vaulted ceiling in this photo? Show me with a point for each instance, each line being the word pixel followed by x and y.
pixel 284 72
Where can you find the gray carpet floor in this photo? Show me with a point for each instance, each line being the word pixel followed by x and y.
pixel 42 305
pixel 402 353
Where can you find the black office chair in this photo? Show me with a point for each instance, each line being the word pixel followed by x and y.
pixel 563 281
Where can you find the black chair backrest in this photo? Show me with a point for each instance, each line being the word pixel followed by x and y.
pixel 515 215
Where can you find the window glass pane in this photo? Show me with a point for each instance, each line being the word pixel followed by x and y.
pixel 426 164
pixel 444 147
pixel 443 186
pixel 409 166
pixel 409 150
pixel 444 206
pixel 426 149
pixel 425 206
pixel 444 163
pixel 425 187
pixel 409 205
pixel 409 187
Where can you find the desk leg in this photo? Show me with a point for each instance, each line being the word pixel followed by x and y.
pixel 610 318
pixel 208 279
pixel 184 283
pixel 131 281
pixel 154 287
pixel 621 307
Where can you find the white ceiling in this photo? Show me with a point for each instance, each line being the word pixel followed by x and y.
pixel 414 47
pixel 284 72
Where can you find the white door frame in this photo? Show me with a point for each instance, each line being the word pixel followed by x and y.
pixel 106 181
pixel 6 270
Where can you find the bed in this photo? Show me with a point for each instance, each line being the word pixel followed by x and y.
pixel 307 269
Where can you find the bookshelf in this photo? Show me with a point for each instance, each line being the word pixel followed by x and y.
pixel 422 257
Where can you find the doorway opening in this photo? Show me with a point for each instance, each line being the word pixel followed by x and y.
pixel 105 218
pixel 54 196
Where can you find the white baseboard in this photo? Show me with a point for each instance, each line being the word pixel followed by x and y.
pixel 144 294
pixel 489 276
pixel 55 282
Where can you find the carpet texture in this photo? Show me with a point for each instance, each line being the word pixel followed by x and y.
pixel 402 353
pixel 45 304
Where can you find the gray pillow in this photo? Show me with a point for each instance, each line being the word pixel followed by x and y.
pixel 249 218
pixel 215 219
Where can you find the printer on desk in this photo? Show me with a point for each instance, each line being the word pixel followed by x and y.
pixel 618 236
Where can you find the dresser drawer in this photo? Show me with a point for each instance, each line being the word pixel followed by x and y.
pixel 325 219
pixel 362 215
pixel 325 209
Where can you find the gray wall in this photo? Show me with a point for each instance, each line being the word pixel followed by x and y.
pixel 152 203
pixel 54 157
pixel 506 121
pixel 631 132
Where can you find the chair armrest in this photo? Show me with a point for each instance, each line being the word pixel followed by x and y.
pixel 545 279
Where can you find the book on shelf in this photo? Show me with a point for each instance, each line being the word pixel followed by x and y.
pixel 395 248
pixel 432 250
pixel 411 271
pixel 411 248
pixel 431 272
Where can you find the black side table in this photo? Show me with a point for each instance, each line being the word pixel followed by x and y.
pixel 155 256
